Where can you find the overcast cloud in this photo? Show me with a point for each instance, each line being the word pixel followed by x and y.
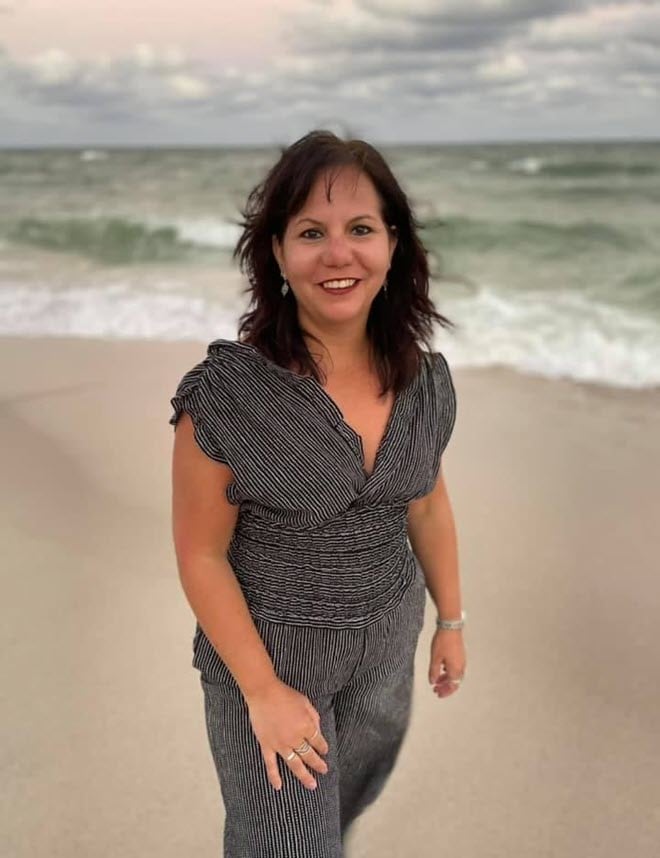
pixel 391 70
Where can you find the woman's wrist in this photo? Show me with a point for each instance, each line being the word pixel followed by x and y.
pixel 451 624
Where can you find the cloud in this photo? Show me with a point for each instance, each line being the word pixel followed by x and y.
pixel 508 66
pixel 373 61
pixel 597 25
pixel 469 12
pixel 53 68
pixel 526 52
pixel 421 25
pixel 148 57
pixel 147 79
pixel 188 87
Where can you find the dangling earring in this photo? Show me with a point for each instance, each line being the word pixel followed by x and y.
pixel 285 286
pixel 385 287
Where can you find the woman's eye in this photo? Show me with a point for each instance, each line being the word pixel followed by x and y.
pixel 368 229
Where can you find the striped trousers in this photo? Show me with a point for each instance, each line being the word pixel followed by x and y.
pixel 360 681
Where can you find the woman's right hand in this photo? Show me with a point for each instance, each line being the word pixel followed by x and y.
pixel 282 719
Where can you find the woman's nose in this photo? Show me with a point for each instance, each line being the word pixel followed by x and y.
pixel 337 250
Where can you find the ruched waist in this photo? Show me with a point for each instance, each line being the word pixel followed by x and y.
pixel 346 573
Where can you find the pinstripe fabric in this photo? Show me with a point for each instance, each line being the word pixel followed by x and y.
pixel 318 541
pixel 320 550
pixel 361 682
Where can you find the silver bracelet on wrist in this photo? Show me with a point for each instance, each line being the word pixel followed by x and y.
pixel 451 624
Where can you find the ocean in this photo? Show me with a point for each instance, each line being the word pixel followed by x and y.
pixel 546 256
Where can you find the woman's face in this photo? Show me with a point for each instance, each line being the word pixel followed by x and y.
pixel 341 240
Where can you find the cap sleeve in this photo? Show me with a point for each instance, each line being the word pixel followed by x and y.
pixel 445 398
pixel 200 394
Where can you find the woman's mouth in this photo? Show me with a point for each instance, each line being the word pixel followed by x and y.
pixel 339 287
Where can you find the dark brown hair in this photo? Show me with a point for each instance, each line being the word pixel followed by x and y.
pixel 398 320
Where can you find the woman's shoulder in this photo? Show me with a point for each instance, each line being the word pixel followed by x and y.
pixel 228 361
pixel 224 352
pixel 223 367
pixel 435 366
pixel 440 366
pixel 234 353
pixel 440 377
pixel 446 393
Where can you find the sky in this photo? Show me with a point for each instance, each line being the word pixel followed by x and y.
pixel 261 72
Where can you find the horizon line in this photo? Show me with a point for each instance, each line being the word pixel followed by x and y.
pixel 374 141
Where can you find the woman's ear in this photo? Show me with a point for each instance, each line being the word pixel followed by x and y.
pixel 393 236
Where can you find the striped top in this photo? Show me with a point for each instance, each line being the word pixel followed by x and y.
pixel 318 541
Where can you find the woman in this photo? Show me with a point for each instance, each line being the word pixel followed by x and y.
pixel 307 455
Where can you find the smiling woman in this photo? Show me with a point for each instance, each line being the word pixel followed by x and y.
pixel 299 478
pixel 332 210
pixel 343 249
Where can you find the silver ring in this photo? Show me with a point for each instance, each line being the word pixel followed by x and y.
pixel 303 749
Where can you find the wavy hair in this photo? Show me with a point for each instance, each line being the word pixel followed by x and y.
pixel 399 319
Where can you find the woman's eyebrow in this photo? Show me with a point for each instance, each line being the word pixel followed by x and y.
pixel 320 223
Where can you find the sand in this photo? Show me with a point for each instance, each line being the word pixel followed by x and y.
pixel 550 747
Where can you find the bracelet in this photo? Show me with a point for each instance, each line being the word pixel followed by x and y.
pixel 451 625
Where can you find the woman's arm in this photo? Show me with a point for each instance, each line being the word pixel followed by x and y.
pixel 203 521
pixel 432 535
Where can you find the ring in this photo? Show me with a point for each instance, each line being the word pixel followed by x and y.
pixel 315 733
pixel 304 748
pixel 291 756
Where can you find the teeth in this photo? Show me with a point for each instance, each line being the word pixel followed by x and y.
pixel 338 284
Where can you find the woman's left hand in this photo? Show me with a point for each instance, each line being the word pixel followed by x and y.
pixel 447 661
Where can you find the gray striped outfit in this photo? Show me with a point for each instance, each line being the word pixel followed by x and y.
pixel 320 550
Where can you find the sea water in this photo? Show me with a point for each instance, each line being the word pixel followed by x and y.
pixel 546 256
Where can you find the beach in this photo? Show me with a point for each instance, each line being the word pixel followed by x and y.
pixel 551 745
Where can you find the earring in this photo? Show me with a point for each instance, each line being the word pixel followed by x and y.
pixel 285 285
pixel 385 287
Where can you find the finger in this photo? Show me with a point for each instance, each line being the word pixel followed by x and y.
pixel 444 679
pixel 454 680
pixel 436 672
pixel 272 770
pixel 316 746
pixel 443 689
pixel 444 692
pixel 319 742
pixel 300 770
pixel 314 761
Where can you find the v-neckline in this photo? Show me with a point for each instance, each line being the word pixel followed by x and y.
pixel 331 406
pixel 355 434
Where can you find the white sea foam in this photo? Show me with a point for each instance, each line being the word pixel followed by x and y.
pixel 560 335
pixel 529 165
pixel 93 155
pixel 203 231
pixel 115 311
